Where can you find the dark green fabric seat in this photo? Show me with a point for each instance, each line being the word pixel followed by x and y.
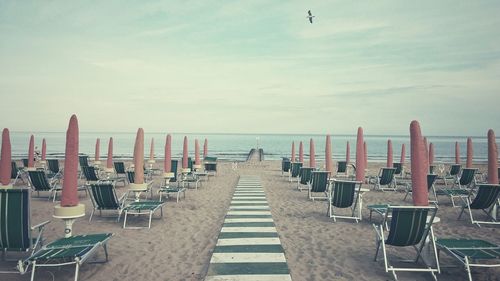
pixel 285 165
pixel 90 174
pixel 466 181
pixel 486 196
pixel 39 182
pixel 319 184
pixel 431 180
pixel 345 194
pixel 399 169
pixel 295 169
pixel 385 179
pixel 304 178
pixel 83 160
pixel 142 208
pixel 341 167
pixel 103 197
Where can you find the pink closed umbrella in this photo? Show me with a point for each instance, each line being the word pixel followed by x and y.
pixel 44 150
pixel 31 152
pixel 293 152
pixel 492 158
pixel 139 157
pixel 403 154
pixel 69 196
pixel 348 153
pixel 301 152
pixel 152 150
pixel 389 154
pixel 185 153
pixel 6 158
pixel 97 149
pixel 328 155
pixel 419 166
pixel 431 154
pixel 457 153
pixel 109 162
pixel 167 165
pixel 312 156
pixel 360 156
pixel 426 146
pixel 197 152
pixel 468 164
pixel 365 150
pixel 205 148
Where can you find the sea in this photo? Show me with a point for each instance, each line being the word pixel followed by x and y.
pixel 235 147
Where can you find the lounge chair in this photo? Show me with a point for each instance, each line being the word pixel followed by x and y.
pixel 470 252
pixel 131 179
pixel 173 169
pixel 342 169
pixel 345 194
pixel 65 251
pixel 16 233
pixel 120 170
pixel 294 170
pixel 25 162
pixel 285 166
pixel 319 184
pixel 210 164
pixel 465 182
pixel 304 178
pixel 142 208
pixel 452 174
pixel 485 199
pixel 54 171
pixel 188 179
pixel 39 182
pixel 167 189
pixel 15 173
pixel 104 198
pixel 90 174
pixel 431 180
pixel 409 226
pixel 385 180
pixel 399 172
pixel 83 160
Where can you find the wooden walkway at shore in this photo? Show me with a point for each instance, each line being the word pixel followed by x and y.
pixel 248 247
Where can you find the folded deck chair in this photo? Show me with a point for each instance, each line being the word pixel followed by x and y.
pixel 294 170
pixel 304 178
pixel 409 226
pixel 465 182
pixel 431 180
pixel 104 198
pixel 16 232
pixel 385 180
pixel 285 166
pixel 399 172
pixel 319 184
pixel 345 194
pixel 485 199
pixel 471 252
pixel 142 208
pixel 39 182
pixel 65 251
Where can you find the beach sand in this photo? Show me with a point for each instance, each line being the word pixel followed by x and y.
pixel 179 245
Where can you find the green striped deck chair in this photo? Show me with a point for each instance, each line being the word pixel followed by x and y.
pixel 486 197
pixel 342 169
pixel 285 166
pixel 90 174
pixel 15 173
pixel 187 179
pixel 345 194
pixel 471 253
pixel 466 181
pixel 83 160
pixel 173 169
pixel 294 170
pixel 467 177
pixel 142 208
pixel 167 190
pixel 304 178
pixel 54 171
pixel 67 251
pixel 319 184
pixel 399 172
pixel 104 198
pixel 452 174
pixel 25 162
pixel 16 232
pixel 131 179
pixel 385 179
pixel 210 163
pixel 431 180
pixel 39 182
pixel 409 226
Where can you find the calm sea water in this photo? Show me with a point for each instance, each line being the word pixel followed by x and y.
pixel 235 147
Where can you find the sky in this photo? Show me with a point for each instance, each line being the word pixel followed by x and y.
pixel 251 66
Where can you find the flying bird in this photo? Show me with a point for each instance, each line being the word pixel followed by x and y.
pixel 310 16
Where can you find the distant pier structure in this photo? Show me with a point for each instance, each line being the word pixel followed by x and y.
pixel 255 155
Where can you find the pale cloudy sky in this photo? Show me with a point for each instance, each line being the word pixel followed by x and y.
pixel 251 66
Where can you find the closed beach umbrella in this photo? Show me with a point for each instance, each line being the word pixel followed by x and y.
pixel 328 154
pixel 360 156
pixel 426 146
pixel 365 150
pixel 492 158
pixel 419 166
pixel 6 158
pixel 470 152
pixel 109 162
pixel 196 152
pixel 403 154
pixel 457 153
pixel 97 149
pixel 69 196
pixel 31 152
pixel 44 150
pixel 389 154
pixel 301 152
pixel 205 148
pixel 185 153
pixel 152 150
pixel 139 157
pixel 293 152
pixel 431 153
pixel 312 156
pixel 348 153
pixel 167 164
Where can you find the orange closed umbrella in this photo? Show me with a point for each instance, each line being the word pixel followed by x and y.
pixel 492 158
pixel 419 166
pixel 312 156
pixel 69 195
pixel 328 155
pixel 389 154
pixel 360 156
pixel 470 152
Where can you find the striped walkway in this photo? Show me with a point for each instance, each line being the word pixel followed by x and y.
pixel 248 247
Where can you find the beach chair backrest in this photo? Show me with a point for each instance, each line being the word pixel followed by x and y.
pixel 344 193
pixel 386 175
pixel 305 175
pixel 39 181
pixel 296 169
pixel 409 225
pixel 119 167
pixel 15 232
pixel 190 163
pixel 486 196
pixel 25 162
pixel 210 159
pixel 89 173
pixel 14 170
pixel 285 165
pixel 341 167
pixel 398 167
pixel 104 196
pixel 84 160
pixel 173 169
pixel 455 169
pixel 53 165
pixel 319 181
pixel 432 168
pixel 431 179
pixel 467 176
pixel 131 176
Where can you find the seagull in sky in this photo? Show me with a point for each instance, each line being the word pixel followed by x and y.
pixel 310 16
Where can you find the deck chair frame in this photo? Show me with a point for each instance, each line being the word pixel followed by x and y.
pixel 142 208
pixel 486 197
pixel 319 184
pixel 304 178
pixel 39 182
pixel 385 177
pixel 99 198
pixel 338 198
pixel 294 170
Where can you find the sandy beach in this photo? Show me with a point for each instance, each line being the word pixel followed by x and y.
pixel 179 245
